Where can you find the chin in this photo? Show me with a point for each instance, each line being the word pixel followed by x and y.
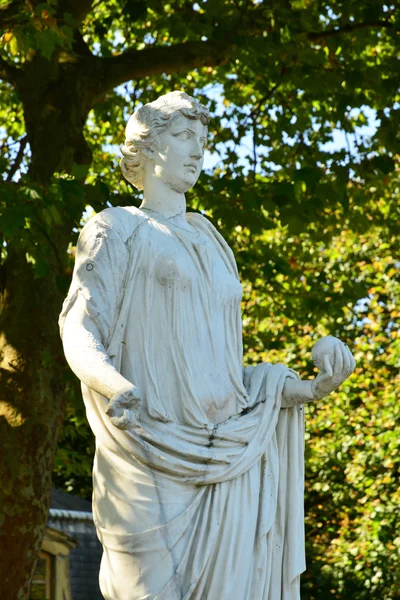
pixel 184 185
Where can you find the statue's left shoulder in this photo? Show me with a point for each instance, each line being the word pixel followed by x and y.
pixel 198 220
pixel 202 223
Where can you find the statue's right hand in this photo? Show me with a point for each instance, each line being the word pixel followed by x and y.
pixel 124 408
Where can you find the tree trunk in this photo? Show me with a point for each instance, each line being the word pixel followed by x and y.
pixel 56 99
pixel 31 415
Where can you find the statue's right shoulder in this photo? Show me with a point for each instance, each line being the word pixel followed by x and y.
pixel 120 220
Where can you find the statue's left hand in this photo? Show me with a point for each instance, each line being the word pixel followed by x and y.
pixel 336 364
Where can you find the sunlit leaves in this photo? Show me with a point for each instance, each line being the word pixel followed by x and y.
pixel 352 449
pixel 36 29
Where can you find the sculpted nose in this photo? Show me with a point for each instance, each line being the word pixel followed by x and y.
pixel 196 150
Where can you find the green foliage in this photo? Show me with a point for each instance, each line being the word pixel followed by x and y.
pixel 311 213
pixel 352 492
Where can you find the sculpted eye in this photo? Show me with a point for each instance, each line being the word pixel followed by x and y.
pixel 182 135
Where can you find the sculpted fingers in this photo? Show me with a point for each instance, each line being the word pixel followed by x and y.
pixel 124 409
pixel 112 410
pixel 327 365
pixel 321 386
pixel 122 422
pixel 346 361
pixel 338 365
pixel 352 361
pixel 335 367
pixel 123 419
pixel 349 363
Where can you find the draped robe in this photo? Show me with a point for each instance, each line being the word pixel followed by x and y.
pixel 187 507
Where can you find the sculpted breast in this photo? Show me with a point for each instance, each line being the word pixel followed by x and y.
pixel 172 271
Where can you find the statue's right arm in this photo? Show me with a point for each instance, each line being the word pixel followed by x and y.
pixel 86 354
pixel 90 362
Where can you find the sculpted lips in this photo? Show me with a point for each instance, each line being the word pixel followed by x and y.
pixel 192 166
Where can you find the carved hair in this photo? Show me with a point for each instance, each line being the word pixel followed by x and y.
pixel 147 123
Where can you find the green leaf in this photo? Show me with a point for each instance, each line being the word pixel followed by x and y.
pixel 12 220
pixel 310 175
pixel 47 41
pixel 79 171
pixel 386 164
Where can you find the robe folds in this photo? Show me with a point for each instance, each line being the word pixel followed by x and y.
pixel 187 508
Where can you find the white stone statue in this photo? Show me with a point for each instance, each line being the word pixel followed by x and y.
pixel 198 473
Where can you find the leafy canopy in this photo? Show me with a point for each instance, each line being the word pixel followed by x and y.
pixel 303 183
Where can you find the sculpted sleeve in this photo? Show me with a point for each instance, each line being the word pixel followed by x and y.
pixel 100 271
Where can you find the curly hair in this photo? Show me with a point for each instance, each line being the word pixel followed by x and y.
pixel 148 122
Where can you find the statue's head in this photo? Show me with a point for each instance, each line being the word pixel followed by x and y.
pixel 168 136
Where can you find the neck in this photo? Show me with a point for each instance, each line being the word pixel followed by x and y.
pixel 163 199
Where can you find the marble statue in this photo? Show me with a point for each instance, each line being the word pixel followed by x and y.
pixel 198 472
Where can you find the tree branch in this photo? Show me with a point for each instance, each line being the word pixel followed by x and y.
pixel 135 64
pixel 260 103
pixel 15 166
pixel 320 35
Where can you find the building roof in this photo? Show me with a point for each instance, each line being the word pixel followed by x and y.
pixel 73 516
pixel 62 501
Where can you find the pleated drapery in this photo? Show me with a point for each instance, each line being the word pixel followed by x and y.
pixel 187 506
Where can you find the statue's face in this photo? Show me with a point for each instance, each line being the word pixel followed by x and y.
pixel 178 157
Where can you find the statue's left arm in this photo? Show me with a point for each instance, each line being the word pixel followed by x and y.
pixel 337 364
pixel 331 356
